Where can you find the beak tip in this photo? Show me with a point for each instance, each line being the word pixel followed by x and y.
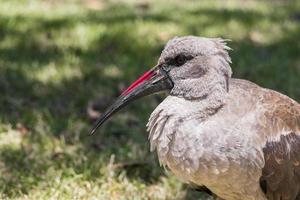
pixel 92 131
pixel 98 123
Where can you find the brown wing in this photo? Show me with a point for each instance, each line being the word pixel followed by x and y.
pixel 281 173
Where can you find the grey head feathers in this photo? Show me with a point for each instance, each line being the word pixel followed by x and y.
pixel 205 65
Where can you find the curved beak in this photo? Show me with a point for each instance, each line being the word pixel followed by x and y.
pixel 153 81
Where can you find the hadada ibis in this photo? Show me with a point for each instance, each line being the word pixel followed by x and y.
pixel 237 139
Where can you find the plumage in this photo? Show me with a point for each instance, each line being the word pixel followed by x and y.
pixel 231 136
pixel 229 141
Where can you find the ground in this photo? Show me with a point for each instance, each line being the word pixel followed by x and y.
pixel 61 59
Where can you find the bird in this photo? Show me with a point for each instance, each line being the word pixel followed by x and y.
pixel 233 137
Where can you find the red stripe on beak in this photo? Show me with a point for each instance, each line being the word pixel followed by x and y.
pixel 140 80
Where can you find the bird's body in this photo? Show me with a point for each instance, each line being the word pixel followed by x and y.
pixel 223 143
pixel 237 139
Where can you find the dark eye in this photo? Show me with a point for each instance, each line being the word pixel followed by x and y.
pixel 180 60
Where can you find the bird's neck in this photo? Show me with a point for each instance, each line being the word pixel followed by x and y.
pixel 201 107
pixel 211 103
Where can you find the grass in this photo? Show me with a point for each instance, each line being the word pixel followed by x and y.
pixel 58 57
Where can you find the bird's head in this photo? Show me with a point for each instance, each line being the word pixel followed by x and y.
pixel 189 67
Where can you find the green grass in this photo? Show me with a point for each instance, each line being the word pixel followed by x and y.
pixel 56 57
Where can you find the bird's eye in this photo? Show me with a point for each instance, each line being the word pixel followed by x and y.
pixel 180 60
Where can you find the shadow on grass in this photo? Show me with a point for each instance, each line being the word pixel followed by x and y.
pixel 63 104
pixel 19 174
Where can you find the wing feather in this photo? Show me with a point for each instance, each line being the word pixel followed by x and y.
pixel 281 173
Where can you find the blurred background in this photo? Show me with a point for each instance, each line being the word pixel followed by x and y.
pixel 63 62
